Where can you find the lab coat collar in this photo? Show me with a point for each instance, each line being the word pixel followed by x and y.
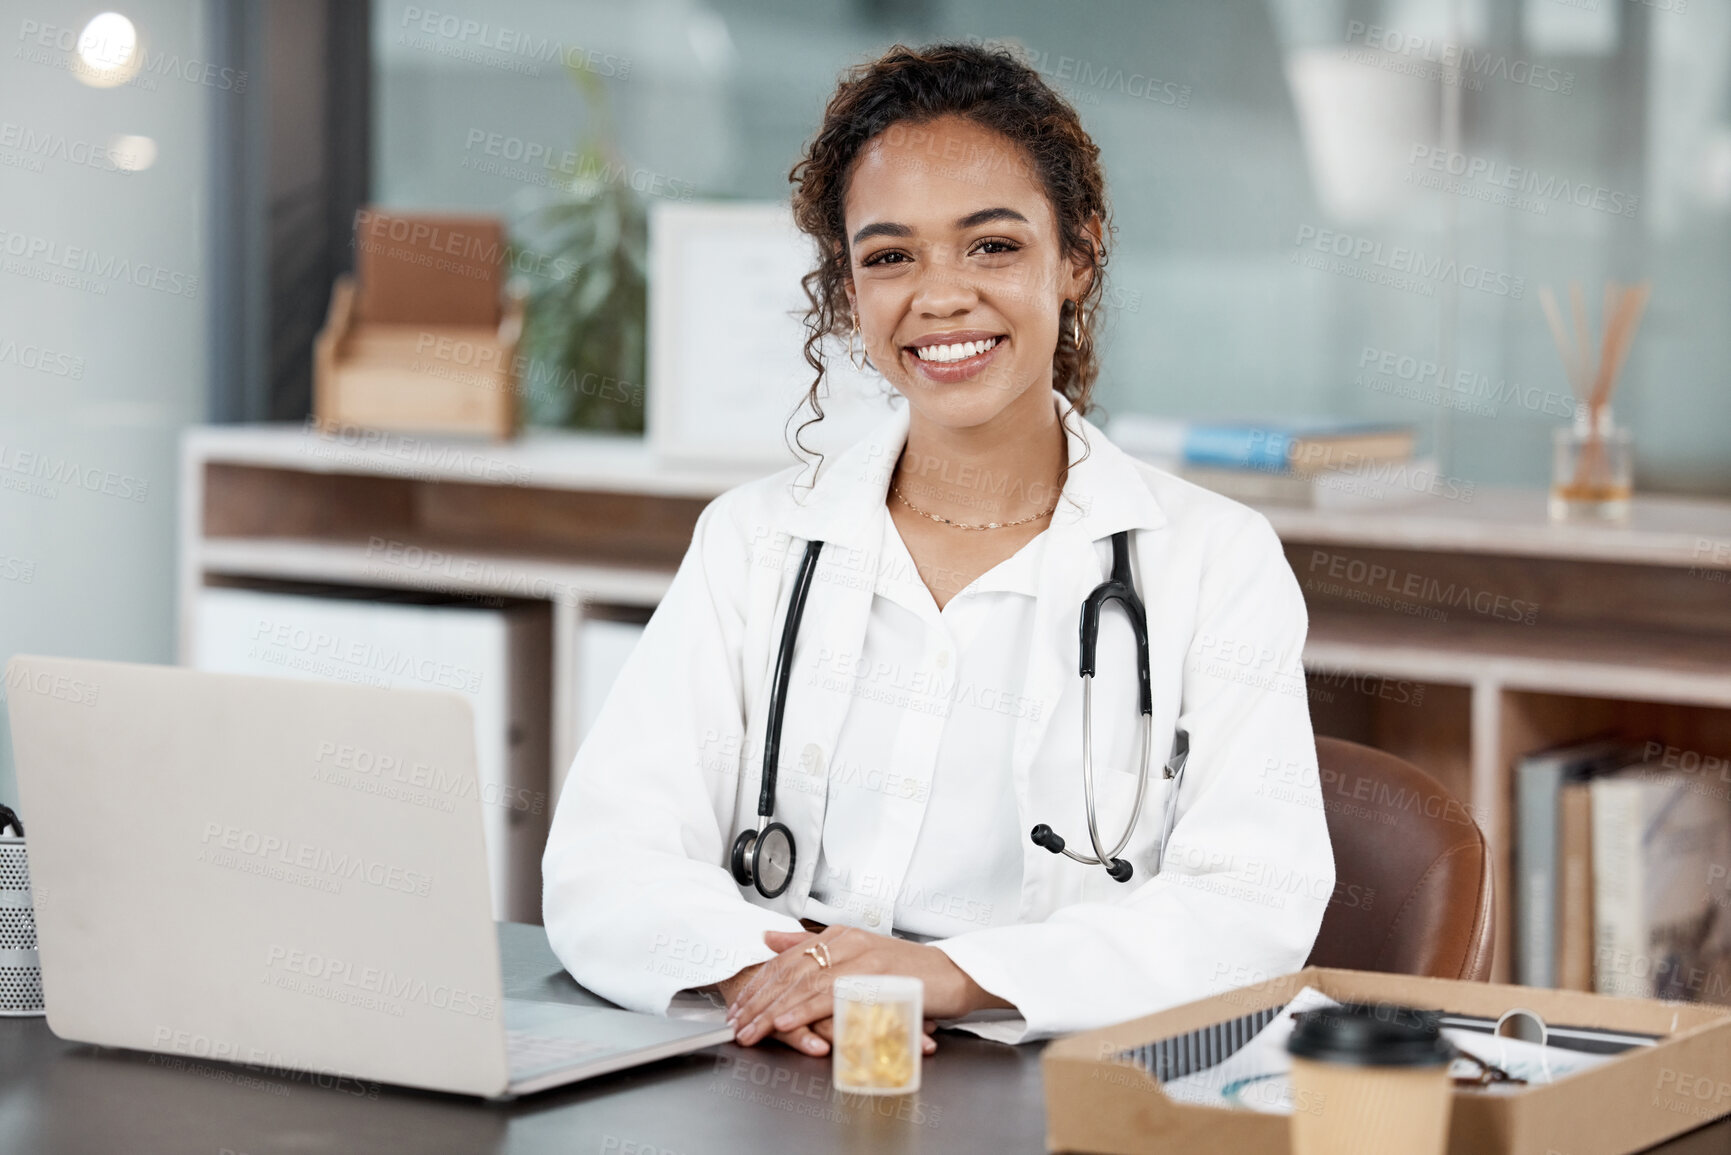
pixel 1102 494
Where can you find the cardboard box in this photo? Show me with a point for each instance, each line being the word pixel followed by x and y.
pixel 1099 1100
pixel 422 339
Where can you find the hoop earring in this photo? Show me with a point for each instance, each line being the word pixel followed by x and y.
pixel 1076 331
pixel 859 362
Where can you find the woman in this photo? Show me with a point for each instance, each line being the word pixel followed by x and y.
pixel 933 713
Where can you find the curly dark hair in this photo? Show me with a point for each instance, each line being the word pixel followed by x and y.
pixel 988 85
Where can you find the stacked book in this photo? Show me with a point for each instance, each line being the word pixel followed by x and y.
pixel 1326 464
pixel 1621 862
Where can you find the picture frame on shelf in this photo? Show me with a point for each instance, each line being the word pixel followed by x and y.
pixel 727 373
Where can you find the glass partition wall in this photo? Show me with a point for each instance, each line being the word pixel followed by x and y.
pixel 1339 208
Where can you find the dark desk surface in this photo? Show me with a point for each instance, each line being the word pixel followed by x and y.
pixel 59 1098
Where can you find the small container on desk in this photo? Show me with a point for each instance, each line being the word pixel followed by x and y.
pixel 1592 469
pixel 878 1021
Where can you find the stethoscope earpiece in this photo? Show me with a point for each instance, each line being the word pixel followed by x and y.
pixel 1119 587
pixel 1046 838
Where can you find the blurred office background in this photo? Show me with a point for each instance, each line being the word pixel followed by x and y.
pixel 1268 161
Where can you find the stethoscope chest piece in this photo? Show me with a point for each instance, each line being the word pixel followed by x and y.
pixel 765 859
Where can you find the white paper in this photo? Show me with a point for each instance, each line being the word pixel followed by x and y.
pixel 1259 1075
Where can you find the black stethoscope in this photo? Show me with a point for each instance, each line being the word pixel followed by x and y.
pixel 765 858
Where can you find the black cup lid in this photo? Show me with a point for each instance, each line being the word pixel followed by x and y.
pixel 1370 1035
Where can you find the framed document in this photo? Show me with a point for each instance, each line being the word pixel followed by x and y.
pixel 727 370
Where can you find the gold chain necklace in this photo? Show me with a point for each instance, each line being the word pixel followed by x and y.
pixel 897 490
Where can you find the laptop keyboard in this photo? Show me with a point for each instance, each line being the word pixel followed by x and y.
pixel 527 1052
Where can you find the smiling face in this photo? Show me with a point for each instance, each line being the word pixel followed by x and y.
pixel 957 274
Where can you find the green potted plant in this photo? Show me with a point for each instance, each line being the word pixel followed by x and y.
pixel 583 251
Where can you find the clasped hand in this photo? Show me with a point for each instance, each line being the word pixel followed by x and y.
pixel 791 997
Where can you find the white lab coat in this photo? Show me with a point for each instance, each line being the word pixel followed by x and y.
pixel 638 899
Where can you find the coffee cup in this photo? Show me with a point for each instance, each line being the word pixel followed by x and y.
pixel 1370 1079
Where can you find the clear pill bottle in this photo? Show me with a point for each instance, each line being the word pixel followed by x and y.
pixel 877 1034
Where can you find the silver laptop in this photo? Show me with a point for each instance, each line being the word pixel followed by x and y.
pixel 283 873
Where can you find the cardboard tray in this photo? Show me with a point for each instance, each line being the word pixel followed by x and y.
pixel 1100 1099
pixel 423 338
pixel 416 378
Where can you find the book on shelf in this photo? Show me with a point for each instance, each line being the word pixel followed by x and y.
pixel 1379 484
pixel 1300 447
pixel 1574 920
pixel 1540 778
pixel 1661 845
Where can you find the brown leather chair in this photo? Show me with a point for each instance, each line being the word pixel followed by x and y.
pixel 1413 888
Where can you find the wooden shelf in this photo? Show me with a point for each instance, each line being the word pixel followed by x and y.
pixel 1609 663
pixel 431 568
pixel 1662 531
pixel 619 463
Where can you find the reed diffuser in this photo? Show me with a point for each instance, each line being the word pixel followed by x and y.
pixel 1592 463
